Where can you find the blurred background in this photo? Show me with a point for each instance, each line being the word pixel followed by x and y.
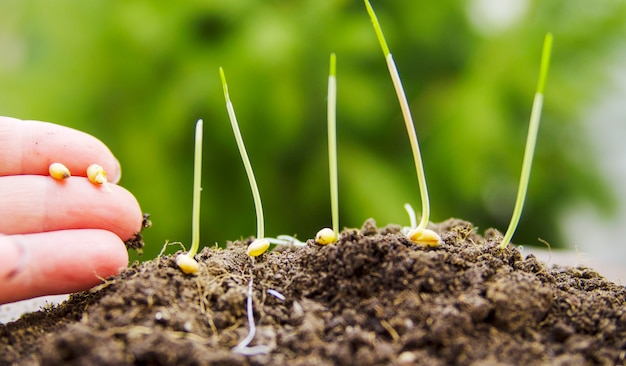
pixel 139 74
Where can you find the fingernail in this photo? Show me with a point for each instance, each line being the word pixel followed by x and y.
pixel 118 168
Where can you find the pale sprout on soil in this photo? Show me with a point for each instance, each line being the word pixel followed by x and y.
pixel 186 262
pixel 59 171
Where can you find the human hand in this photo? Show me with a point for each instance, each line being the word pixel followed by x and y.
pixel 58 236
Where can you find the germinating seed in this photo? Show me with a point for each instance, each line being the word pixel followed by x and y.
pixel 187 264
pixel 96 174
pixel 326 236
pixel 424 237
pixel 257 247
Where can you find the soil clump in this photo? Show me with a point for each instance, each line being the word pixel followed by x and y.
pixel 371 299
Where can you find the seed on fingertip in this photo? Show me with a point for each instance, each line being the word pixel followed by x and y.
pixel 96 174
pixel 59 171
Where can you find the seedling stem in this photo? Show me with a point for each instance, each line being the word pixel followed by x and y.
pixel 406 113
pixel 533 129
pixel 189 264
pixel 244 156
pixel 197 177
pixel 332 142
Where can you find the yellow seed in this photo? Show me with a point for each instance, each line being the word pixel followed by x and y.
pixel 187 264
pixel 257 247
pixel 59 171
pixel 425 237
pixel 326 236
pixel 96 174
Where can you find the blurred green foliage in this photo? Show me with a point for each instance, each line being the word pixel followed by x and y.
pixel 138 74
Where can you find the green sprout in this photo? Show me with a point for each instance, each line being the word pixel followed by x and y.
pixel 419 235
pixel 260 245
pixel 328 236
pixel 186 262
pixel 531 140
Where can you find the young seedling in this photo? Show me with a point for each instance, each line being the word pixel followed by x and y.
pixel 260 244
pixel 327 235
pixel 531 140
pixel 428 238
pixel 186 262
pixel 419 235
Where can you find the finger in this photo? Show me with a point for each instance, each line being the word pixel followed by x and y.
pixel 58 262
pixel 29 147
pixel 34 203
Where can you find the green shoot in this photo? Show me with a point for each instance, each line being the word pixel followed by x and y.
pixel 533 129
pixel 186 262
pixel 332 142
pixel 328 236
pixel 419 235
pixel 258 246
pixel 406 113
pixel 244 157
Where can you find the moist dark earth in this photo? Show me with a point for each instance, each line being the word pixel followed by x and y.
pixel 371 299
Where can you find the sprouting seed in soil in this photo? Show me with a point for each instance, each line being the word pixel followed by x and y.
pixel 260 244
pixel 531 141
pixel 417 235
pixel 326 235
pixel 246 163
pixel 258 247
pixel 186 262
pixel 59 171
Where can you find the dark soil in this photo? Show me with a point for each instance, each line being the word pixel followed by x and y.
pixel 371 299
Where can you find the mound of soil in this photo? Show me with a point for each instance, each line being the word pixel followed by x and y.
pixel 373 298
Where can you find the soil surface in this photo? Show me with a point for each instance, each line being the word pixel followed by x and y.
pixel 372 299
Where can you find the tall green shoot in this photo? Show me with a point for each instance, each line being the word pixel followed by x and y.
pixel 260 244
pixel 419 235
pixel 187 263
pixel 328 236
pixel 246 161
pixel 332 142
pixel 533 129
pixel 406 113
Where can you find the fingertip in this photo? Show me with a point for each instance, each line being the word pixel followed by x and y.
pixel 42 204
pixel 62 262
pixel 106 257
pixel 29 147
